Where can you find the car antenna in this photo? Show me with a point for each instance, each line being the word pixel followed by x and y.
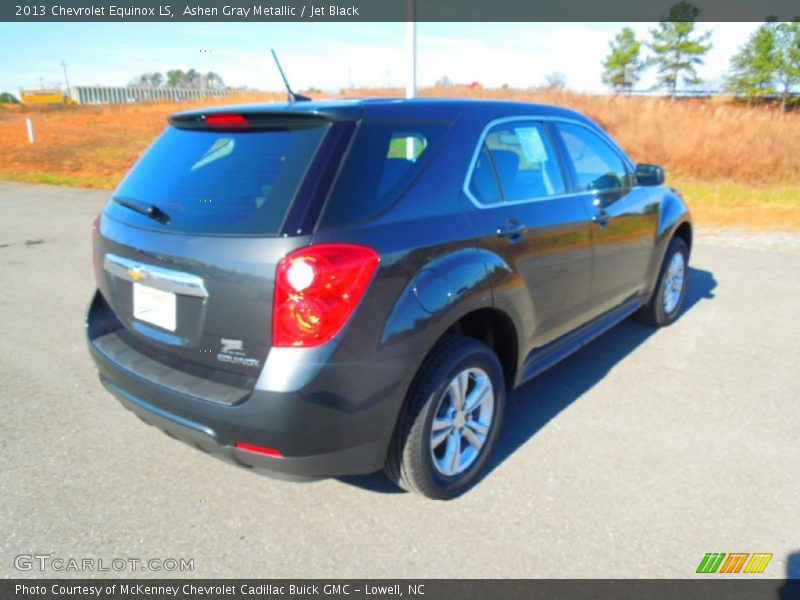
pixel 292 96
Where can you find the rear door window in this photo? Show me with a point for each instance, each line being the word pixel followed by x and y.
pixel 383 160
pixel 524 160
pixel 220 182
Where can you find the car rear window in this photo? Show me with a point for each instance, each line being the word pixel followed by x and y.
pixel 220 182
pixel 383 160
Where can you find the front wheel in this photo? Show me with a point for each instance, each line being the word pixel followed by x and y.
pixel 670 292
pixel 451 422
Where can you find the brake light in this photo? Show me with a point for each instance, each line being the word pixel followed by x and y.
pixel 226 120
pixel 258 449
pixel 317 288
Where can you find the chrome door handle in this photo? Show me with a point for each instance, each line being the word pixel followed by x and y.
pixel 513 230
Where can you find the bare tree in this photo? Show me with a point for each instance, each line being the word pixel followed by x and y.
pixel 555 80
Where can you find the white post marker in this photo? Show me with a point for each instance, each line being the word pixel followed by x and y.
pixel 411 64
pixel 29 126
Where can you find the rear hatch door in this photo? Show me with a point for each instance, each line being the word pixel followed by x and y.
pixel 187 247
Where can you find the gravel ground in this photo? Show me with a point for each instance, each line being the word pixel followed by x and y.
pixel 788 241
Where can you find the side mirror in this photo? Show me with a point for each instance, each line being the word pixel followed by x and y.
pixel 649 174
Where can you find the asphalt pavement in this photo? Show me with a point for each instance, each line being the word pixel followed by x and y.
pixel 633 458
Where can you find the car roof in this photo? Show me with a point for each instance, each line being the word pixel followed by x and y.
pixel 398 108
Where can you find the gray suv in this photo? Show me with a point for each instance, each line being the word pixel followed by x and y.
pixel 318 289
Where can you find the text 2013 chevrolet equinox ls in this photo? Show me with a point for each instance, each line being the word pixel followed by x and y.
pixel 327 288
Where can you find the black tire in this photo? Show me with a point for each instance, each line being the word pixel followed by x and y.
pixel 654 312
pixel 410 462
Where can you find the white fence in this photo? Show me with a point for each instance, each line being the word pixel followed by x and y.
pixel 124 95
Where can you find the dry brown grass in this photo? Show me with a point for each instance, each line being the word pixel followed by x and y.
pixel 739 165
pixel 708 140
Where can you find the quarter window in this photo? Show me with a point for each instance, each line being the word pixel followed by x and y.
pixel 597 165
pixel 383 160
pixel 521 158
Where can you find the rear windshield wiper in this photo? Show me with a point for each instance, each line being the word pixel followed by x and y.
pixel 148 210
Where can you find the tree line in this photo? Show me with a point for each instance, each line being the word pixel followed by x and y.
pixel 766 66
pixel 190 79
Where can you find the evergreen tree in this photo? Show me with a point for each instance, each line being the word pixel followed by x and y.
pixel 676 51
pixel 622 66
pixel 787 51
pixel 754 67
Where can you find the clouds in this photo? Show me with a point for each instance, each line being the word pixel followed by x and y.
pixel 331 55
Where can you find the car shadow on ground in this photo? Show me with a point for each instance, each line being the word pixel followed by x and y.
pixel 531 407
pixel 790 590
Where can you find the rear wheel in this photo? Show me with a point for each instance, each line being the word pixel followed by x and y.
pixel 668 297
pixel 451 422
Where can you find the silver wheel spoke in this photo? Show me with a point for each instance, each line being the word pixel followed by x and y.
pixel 438 438
pixel 452 456
pixel 474 440
pixel 481 392
pixel 439 424
pixel 478 428
pixel 462 384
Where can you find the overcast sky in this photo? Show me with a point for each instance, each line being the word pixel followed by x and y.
pixel 329 55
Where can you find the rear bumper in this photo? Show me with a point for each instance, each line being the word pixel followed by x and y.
pixel 339 423
pixel 204 438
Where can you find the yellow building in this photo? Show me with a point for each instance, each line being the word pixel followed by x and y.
pixel 53 96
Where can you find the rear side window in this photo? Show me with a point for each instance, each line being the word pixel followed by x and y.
pixel 524 161
pixel 221 182
pixel 597 165
pixel 383 160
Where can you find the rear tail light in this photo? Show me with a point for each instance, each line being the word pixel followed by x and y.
pixel 226 120
pixel 317 288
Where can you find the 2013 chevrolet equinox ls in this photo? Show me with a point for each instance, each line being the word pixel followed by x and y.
pixel 318 289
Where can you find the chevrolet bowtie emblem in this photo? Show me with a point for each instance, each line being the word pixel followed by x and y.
pixel 137 274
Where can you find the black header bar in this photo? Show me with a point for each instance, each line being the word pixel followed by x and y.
pixel 384 10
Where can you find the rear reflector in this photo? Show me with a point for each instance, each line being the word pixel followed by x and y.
pixel 226 120
pixel 317 288
pixel 258 449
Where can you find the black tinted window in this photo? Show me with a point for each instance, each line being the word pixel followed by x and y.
pixel 523 158
pixel 220 182
pixel 597 164
pixel 383 159
pixel 483 183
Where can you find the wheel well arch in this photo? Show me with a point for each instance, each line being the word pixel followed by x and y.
pixel 495 329
pixel 684 232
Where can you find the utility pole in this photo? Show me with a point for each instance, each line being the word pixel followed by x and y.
pixel 411 64
pixel 64 65
pixel 411 50
pixel 41 83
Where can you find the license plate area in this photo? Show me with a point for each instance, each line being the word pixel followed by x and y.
pixel 154 306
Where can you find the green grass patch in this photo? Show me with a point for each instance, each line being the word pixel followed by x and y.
pixel 733 194
pixel 105 183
